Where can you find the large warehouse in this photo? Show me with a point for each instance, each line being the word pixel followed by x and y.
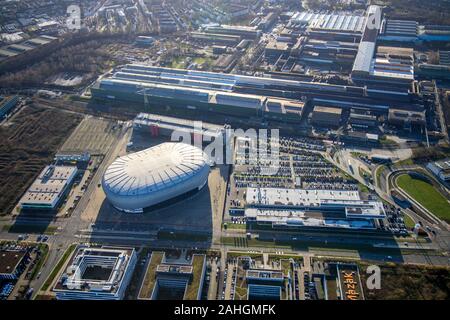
pixel 141 180
pixel 167 90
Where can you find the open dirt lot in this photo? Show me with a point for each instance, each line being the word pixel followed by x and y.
pixel 28 143
pixel 94 135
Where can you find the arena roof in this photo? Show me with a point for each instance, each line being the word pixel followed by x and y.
pixel 156 168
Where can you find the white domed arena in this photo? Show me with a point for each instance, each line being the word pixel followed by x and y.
pixel 154 176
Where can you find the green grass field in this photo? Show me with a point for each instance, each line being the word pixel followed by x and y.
pixel 426 195
pixel 409 223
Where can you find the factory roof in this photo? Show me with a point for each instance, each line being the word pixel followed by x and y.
pixel 337 111
pixel 336 22
pixel 207 129
pixel 367 45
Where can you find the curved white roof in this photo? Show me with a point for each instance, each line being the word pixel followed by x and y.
pixel 157 168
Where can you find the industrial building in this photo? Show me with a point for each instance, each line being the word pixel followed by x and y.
pixel 366 50
pixel 339 27
pixel 224 39
pixel 34 44
pixel 197 90
pixel 245 32
pixel 326 116
pixel 441 169
pixel 153 176
pixel 327 52
pixel 406 119
pixel 96 273
pixel 295 208
pixel 178 280
pixel 399 30
pixel 158 125
pixel 49 188
pixel 362 119
pixel 239 95
pixel 276 48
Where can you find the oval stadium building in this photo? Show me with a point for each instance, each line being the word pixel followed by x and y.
pixel 150 177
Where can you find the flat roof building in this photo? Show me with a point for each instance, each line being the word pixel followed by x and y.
pixel 96 273
pixel 440 169
pixel 46 192
pixel 326 116
pixel 406 118
pixel 165 280
pixel 11 263
pixel 311 208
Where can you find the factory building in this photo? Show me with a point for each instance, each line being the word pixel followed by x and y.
pixel 328 52
pixel 366 50
pixel 196 90
pixel 406 119
pixel 295 208
pixel 178 280
pixel 399 31
pixel 158 125
pixel 433 71
pixel 245 32
pixel 96 273
pixel 7 53
pixel 232 94
pixel 142 180
pixel 267 21
pixel 326 116
pixel 275 49
pixel 334 26
pixel 362 119
pixel 215 38
pixel 441 169
pixel 434 33
pixel 49 188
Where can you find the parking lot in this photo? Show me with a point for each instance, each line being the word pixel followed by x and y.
pixel 301 165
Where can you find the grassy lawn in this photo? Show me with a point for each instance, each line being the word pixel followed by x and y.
pixel 149 280
pixel 58 267
pixel 425 194
pixel 363 188
pixel 378 174
pixel 409 223
pixel 197 268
